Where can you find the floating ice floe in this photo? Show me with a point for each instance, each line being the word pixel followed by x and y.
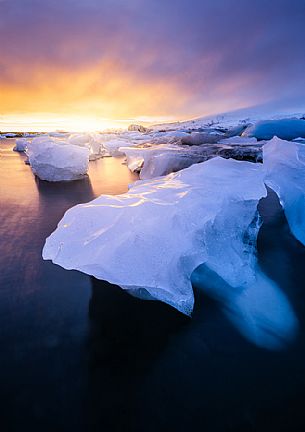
pixel 21 145
pixel 284 163
pixel 55 161
pixel 287 129
pixel 151 239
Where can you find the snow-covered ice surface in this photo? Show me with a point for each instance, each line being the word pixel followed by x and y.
pixel 53 161
pixel 284 163
pixel 151 239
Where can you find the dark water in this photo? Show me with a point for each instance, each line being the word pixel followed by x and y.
pixel 80 355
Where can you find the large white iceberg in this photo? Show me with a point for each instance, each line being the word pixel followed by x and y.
pixel 54 161
pixel 150 240
pixel 284 163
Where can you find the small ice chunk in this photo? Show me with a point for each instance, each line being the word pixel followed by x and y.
pixel 21 145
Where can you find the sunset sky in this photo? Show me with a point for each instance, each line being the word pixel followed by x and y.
pixel 91 64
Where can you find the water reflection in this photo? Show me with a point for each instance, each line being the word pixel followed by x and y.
pixel 260 311
pixel 132 331
pixel 127 337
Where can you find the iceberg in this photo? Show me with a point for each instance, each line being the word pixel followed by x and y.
pixel 54 161
pixel 151 239
pixel 21 145
pixel 284 163
pixel 287 129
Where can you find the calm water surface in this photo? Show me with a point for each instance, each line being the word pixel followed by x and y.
pixel 80 355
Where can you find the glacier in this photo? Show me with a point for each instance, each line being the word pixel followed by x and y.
pixel 151 239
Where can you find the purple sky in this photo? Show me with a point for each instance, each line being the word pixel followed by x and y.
pixel 150 58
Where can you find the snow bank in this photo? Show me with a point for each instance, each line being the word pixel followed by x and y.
pixel 149 240
pixel 284 163
pixel 55 161
pixel 286 129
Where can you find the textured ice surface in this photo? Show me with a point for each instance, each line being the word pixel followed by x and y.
pixel 162 159
pixel 112 146
pixel 55 161
pixel 286 129
pixel 284 163
pixel 149 240
pixel 158 160
pixel 21 145
pixel 90 141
